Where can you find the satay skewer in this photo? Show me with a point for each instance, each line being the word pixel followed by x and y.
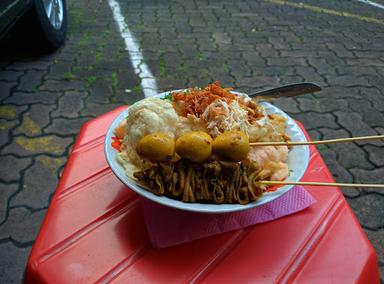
pixel 330 141
pixel 315 183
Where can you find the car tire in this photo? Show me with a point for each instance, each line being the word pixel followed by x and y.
pixel 44 33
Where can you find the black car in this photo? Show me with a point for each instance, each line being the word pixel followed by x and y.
pixel 43 22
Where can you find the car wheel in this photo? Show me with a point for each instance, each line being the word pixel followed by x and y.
pixel 43 27
pixel 51 22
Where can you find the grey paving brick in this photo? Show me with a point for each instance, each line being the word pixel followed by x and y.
pixel 311 75
pixel 279 71
pixel 5 89
pixel 314 134
pixel 286 80
pixel 100 91
pixel 340 50
pixel 369 176
pixel 11 112
pixel 344 150
pixel 24 98
pixel 95 109
pixel 339 173
pixel 377 240
pixel 369 210
pixel 376 81
pixel 321 66
pixel 31 80
pixel 381 271
pixel 34 193
pixel 354 123
pixel 32 63
pixel 289 105
pixel 337 92
pixel 375 155
pixel 379 130
pixel 66 126
pixel 5 132
pixel 16 164
pixel 356 70
pixel 257 82
pixel 322 104
pixel 22 225
pixel 313 120
pixel 6 191
pixel 12 262
pixel 348 81
pixel 364 62
pixel 60 70
pixel 286 61
pixel 10 75
pixel 34 120
pixel 70 104
pixel 374 96
pixel 62 85
pixel 371 116
pixel 26 146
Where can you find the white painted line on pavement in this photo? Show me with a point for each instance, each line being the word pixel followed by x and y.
pixel 148 81
pixel 374 4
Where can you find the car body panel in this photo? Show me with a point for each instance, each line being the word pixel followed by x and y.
pixel 10 12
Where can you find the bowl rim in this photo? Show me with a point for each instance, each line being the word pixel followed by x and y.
pixel 119 171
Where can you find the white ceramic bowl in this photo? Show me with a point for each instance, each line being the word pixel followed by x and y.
pixel 298 159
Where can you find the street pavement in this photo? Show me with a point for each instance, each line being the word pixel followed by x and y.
pixel 247 45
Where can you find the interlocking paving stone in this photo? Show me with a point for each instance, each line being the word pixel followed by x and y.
pixel 347 80
pixel 344 150
pixel 70 104
pixel 377 239
pixel 24 146
pixel 95 109
pixel 10 75
pixel 322 104
pixel 32 64
pixel 289 105
pixel 375 96
pixel 12 262
pixel 5 89
pixel 23 98
pixel 58 71
pixel 35 194
pixel 5 132
pixel 34 120
pixel 369 210
pixel 337 92
pixel 61 85
pixel 101 91
pixel 353 122
pixel 6 191
pixel 66 126
pixel 370 114
pixel 10 112
pixel 369 176
pixel 20 225
pixel 31 80
pixel 339 172
pixel 375 155
pixel 313 120
pixel 16 164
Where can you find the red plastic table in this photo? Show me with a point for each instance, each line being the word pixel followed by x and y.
pixel 94 232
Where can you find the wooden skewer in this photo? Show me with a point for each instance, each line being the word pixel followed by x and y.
pixel 273 182
pixel 353 139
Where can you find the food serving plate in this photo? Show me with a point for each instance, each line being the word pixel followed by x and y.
pixel 298 159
